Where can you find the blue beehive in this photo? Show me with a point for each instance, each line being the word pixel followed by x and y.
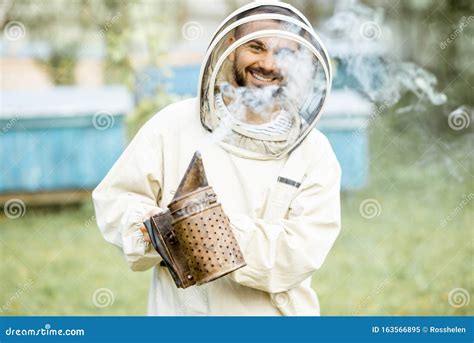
pixel 343 121
pixel 64 138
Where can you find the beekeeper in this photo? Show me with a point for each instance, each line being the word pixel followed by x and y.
pixel 263 84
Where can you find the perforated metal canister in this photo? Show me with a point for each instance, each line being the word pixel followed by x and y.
pixel 204 231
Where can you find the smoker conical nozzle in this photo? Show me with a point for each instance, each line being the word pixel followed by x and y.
pixel 194 177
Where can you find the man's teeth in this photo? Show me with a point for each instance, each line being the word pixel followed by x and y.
pixel 262 78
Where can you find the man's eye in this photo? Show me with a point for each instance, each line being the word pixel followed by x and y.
pixel 256 48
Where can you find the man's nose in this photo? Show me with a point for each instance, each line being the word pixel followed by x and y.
pixel 268 62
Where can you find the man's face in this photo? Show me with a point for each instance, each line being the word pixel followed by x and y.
pixel 256 63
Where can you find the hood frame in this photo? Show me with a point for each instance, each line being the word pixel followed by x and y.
pixel 320 51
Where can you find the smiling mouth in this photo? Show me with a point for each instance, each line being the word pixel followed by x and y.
pixel 262 78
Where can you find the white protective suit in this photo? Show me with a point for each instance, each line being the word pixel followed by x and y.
pixel 285 228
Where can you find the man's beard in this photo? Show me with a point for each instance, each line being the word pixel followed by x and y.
pixel 262 100
pixel 239 78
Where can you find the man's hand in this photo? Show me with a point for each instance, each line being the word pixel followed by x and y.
pixel 147 216
pixel 146 237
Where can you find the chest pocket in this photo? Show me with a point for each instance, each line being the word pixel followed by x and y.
pixel 286 186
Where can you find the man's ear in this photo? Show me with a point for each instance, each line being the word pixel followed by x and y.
pixel 231 40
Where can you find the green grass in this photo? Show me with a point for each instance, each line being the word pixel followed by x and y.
pixel 402 262
pixel 65 256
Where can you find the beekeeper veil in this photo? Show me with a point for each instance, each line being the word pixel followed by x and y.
pixel 264 81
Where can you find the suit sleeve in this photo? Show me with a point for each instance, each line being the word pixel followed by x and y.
pixel 129 191
pixel 282 254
